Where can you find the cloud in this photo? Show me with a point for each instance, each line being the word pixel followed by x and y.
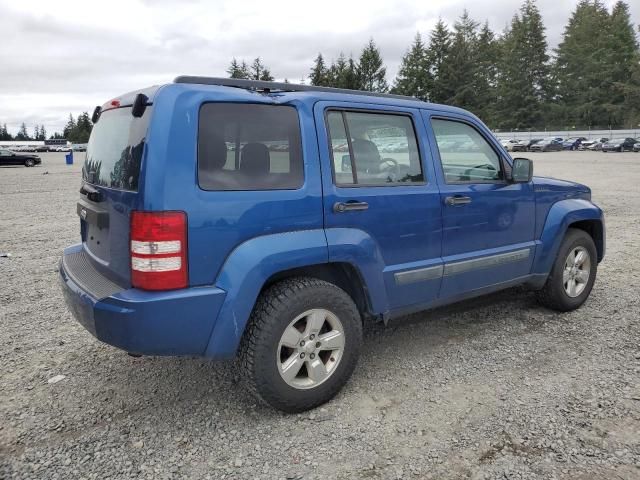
pixel 77 55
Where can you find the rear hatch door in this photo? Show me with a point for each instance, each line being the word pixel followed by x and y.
pixel 111 188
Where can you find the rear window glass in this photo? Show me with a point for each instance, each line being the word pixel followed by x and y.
pixel 114 151
pixel 249 147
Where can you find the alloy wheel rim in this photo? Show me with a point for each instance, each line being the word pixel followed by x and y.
pixel 577 269
pixel 310 349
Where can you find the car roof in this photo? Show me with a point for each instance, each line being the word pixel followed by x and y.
pixel 276 92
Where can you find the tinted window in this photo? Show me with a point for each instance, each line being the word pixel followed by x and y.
pixel 373 149
pixel 465 155
pixel 249 147
pixel 114 151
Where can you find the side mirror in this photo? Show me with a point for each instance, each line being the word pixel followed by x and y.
pixel 522 171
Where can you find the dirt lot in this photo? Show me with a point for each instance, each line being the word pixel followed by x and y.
pixel 493 388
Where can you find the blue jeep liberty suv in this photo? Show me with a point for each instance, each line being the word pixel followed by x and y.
pixel 267 221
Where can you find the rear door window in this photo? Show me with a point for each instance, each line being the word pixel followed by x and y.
pixel 249 147
pixel 373 148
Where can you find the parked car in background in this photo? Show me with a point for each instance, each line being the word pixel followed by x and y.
pixel 636 147
pixel 573 143
pixel 619 145
pixel 80 147
pixel 530 142
pixel 592 144
pixel 63 148
pixel 509 144
pixel 551 144
pixel 521 146
pixel 9 157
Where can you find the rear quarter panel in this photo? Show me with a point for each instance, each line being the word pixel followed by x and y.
pixel 219 221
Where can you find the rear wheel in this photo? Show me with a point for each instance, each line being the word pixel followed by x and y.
pixel 29 162
pixel 301 345
pixel 573 273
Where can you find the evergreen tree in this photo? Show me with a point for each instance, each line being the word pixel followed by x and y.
pixel 245 71
pixel 487 55
pixel 43 133
pixel 581 67
pixel 69 128
pixel 259 72
pixel 351 78
pixel 238 70
pixel 266 75
pixel 234 70
pixel 623 59
pixel 4 133
pixel 22 133
pixel 523 71
pixel 414 78
pixel 343 73
pixel 460 66
pixel 371 70
pixel 319 73
pixel 632 96
pixel 83 129
pixel 437 54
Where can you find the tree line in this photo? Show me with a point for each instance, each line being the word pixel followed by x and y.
pixel 76 131
pixel 39 133
pixel 509 79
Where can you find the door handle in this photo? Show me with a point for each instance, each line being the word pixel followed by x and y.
pixel 341 207
pixel 457 200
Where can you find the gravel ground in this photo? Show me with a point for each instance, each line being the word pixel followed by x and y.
pixel 493 388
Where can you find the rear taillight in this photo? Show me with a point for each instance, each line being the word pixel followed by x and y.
pixel 159 250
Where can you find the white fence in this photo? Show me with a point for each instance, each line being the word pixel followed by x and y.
pixel 523 135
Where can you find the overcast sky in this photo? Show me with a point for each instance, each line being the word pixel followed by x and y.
pixel 68 56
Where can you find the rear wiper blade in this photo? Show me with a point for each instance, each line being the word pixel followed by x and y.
pixel 92 193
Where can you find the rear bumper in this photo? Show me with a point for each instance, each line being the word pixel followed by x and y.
pixel 177 322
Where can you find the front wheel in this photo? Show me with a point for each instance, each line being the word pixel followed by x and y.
pixel 29 162
pixel 301 345
pixel 573 273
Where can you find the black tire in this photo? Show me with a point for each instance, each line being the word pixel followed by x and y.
pixel 275 309
pixel 29 162
pixel 553 294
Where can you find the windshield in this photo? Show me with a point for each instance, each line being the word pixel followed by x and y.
pixel 617 140
pixel 114 151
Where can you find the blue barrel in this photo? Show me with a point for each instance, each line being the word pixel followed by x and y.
pixel 69 158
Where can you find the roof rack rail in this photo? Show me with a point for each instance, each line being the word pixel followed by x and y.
pixel 267 87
